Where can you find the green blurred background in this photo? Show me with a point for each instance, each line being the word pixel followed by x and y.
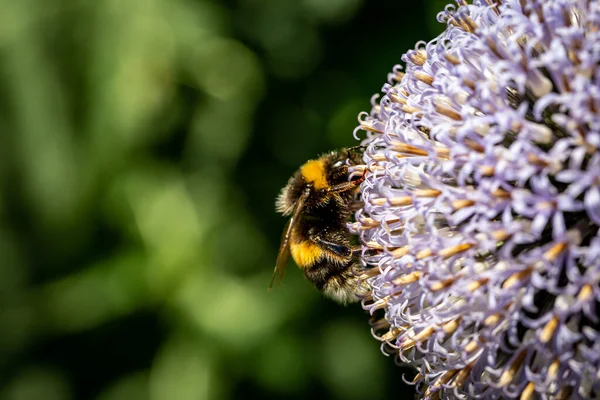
pixel 142 144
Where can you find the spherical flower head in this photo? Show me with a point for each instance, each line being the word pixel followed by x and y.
pixel 482 203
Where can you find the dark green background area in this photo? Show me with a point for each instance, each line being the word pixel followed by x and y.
pixel 142 145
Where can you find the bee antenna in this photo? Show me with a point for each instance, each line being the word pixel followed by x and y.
pixel 356 148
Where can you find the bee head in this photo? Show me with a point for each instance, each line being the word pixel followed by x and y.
pixel 317 176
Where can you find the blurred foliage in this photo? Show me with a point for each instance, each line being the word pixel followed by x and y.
pixel 142 145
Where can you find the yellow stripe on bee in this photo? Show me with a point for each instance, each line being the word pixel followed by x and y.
pixel 306 253
pixel 314 172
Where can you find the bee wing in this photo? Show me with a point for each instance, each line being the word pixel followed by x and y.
pixel 284 248
pixel 283 256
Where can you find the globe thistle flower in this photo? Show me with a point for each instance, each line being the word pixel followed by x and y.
pixel 482 203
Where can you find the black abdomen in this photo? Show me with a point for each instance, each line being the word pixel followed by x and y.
pixel 324 270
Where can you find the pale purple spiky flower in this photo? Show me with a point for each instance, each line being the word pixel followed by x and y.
pixel 482 203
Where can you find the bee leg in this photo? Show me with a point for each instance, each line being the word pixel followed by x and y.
pixel 342 187
pixel 340 250
pixel 356 205
pixel 357 251
pixel 360 147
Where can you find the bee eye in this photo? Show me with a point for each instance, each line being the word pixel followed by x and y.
pixel 338 164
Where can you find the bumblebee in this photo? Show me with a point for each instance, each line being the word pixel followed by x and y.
pixel 318 198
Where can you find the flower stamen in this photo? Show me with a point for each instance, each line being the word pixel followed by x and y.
pixel 401 251
pixel 517 277
pixel 549 330
pixel 417 57
pixel 454 250
pixel 406 279
pixel 528 392
pixel 509 373
pixel 555 251
pixel 423 77
pixel 433 389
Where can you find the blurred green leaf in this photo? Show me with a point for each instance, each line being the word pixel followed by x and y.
pixel 183 370
pixel 135 386
pixel 142 145
pixel 350 366
pixel 36 383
